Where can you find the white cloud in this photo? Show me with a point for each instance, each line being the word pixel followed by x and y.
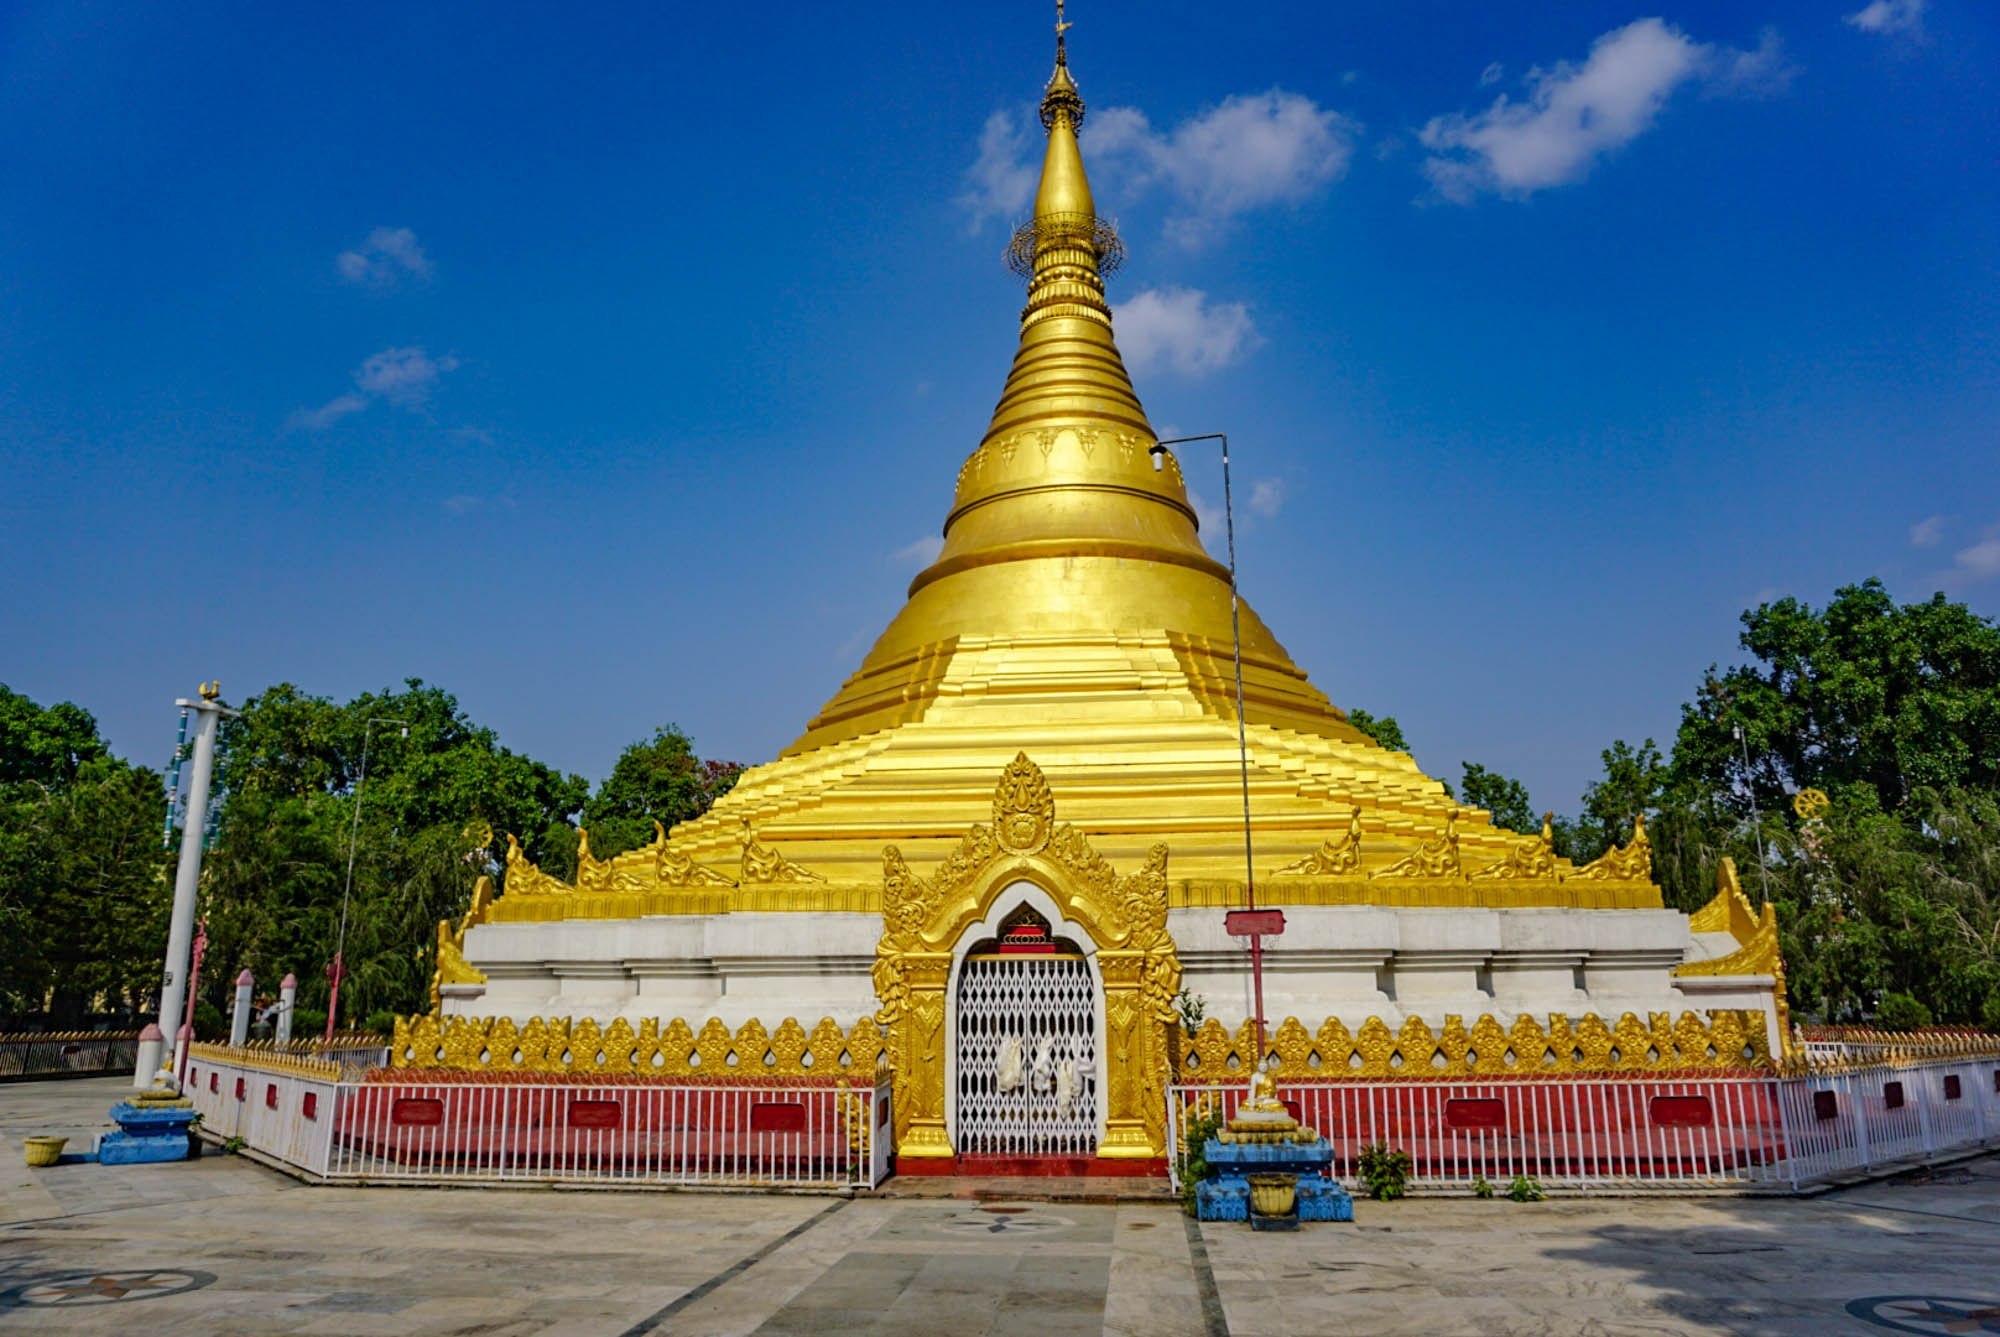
pixel 327 414
pixel 1001 180
pixel 389 254
pixel 1181 329
pixel 1928 532
pixel 1764 71
pixel 1248 152
pixel 1267 496
pixel 1492 74
pixel 404 377
pixel 1981 561
pixel 1889 16
pixel 1573 115
pixel 921 552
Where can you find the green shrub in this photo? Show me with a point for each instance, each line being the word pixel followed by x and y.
pixel 307 1024
pixel 1901 1012
pixel 381 1021
pixel 1524 1189
pixel 1385 1170
pixel 1482 1187
pixel 1192 1164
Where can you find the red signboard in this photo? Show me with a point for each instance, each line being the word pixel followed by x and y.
pixel 417 1112
pixel 1479 1113
pixel 1682 1112
pixel 1243 923
pixel 593 1114
pixel 770 1116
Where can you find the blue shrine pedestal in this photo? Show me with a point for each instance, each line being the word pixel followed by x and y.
pixel 148 1133
pixel 1225 1194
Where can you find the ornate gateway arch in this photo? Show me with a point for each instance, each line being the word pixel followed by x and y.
pixel 925 922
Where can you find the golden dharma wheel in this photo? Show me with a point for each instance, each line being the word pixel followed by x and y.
pixel 1811 804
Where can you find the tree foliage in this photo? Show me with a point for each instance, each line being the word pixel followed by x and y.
pixel 290 779
pixel 84 883
pixel 1506 800
pixel 1889 906
pixel 1383 729
pixel 658 779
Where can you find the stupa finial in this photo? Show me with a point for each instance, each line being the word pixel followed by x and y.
pixel 1061 101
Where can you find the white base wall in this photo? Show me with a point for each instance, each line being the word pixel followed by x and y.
pixel 1349 962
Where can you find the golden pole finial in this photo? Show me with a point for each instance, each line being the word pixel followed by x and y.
pixel 1062 26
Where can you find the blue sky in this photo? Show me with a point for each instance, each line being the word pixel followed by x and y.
pixel 612 367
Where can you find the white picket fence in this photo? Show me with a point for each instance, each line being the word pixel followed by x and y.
pixel 808 1137
pixel 1666 1133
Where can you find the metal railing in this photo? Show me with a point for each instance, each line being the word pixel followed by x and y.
pixel 1646 1133
pixel 68 1054
pixel 824 1137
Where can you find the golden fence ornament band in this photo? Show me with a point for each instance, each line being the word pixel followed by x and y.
pixel 1728 1040
pixel 267 1060
pixel 672 1049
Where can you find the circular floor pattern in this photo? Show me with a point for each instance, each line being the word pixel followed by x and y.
pixel 96 1288
pixel 1927 1313
pixel 1006 1221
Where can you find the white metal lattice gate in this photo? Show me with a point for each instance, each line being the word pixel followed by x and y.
pixel 1027 1057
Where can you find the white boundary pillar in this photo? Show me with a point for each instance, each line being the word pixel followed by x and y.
pixel 187 880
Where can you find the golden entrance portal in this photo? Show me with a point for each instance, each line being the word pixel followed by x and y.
pixel 1100 1009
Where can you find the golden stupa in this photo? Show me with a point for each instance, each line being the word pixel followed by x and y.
pixel 1074 614
pixel 1072 644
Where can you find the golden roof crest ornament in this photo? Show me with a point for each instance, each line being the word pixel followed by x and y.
pixel 1024 811
pixel 1437 857
pixel 1632 862
pixel 762 864
pixel 1334 858
pixel 1534 857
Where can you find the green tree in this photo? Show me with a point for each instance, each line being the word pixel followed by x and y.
pixel 1383 729
pixel 83 877
pixel 289 773
pixel 1507 800
pixel 1862 692
pixel 657 779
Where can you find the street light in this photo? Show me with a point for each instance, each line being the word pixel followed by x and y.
pixel 1249 922
pixel 338 970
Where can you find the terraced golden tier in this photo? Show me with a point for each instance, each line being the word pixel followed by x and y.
pixel 1074 615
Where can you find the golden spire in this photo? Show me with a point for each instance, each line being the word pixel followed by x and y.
pixel 1063 470
pixel 1064 528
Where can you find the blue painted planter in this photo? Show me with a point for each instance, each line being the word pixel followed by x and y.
pixel 148 1135
pixel 1225 1194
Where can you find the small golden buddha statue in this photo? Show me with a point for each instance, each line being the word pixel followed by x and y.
pixel 1262 1117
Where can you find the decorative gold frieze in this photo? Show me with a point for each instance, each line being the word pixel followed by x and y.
pixel 1727 1039
pixel 451 965
pixel 1125 917
pixel 762 864
pixel 1757 952
pixel 1533 859
pixel 1632 862
pixel 652 1049
pixel 1333 858
pixel 1290 890
pixel 1434 858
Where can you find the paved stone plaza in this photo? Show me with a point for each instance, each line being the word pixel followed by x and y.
pixel 224 1246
